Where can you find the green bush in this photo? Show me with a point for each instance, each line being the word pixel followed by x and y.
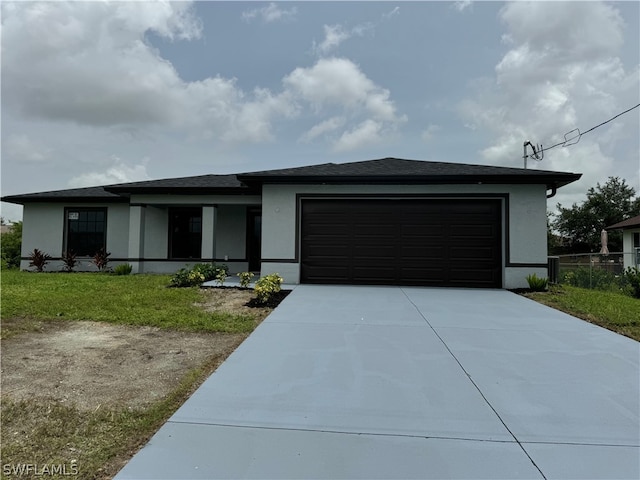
pixel 245 279
pixel 209 271
pixel 537 284
pixel 199 273
pixel 11 246
pixel 596 278
pixel 632 276
pixel 123 269
pixel 267 286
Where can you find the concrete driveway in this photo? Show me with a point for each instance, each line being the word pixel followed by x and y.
pixel 403 382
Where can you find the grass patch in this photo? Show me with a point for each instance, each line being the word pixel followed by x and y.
pixel 614 311
pixel 98 443
pixel 131 299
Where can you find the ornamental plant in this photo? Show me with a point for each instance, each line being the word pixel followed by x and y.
pixel 101 259
pixel 123 269
pixel 221 276
pixel 537 284
pixel 267 287
pixel 68 261
pixel 38 259
pixel 245 279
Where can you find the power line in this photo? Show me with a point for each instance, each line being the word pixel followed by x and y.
pixel 539 154
pixel 584 133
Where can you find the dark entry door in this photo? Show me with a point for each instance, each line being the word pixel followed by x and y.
pixel 254 238
pixel 402 242
pixel 185 232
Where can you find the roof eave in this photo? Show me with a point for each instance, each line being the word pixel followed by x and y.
pixel 551 181
pixel 183 190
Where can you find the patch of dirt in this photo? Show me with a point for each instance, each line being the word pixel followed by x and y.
pixel 91 364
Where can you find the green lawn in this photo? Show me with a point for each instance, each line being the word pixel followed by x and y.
pixel 126 299
pixel 614 311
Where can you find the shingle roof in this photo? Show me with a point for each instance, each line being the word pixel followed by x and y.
pixel 382 171
pixel 186 184
pixel 633 222
pixel 119 192
pixel 396 170
pixel 88 194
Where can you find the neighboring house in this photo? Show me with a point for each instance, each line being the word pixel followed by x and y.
pixel 630 240
pixel 387 221
pixel 5 228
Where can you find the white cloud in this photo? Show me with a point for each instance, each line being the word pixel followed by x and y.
pixel 366 133
pixel 117 172
pixel 21 148
pixel 391 14
pixel 334 35
pixel 91 65
pixel 270 13
pixel 323 128
pixel 429 132
pixel 339 84
pixel 555 77
pixel 463 5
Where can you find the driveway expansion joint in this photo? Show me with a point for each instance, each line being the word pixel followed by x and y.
pixel 343 432
pixel 475 385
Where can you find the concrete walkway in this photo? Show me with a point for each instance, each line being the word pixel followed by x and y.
pixel 403 382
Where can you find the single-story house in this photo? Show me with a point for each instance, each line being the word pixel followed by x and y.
pixel 630 240
pixel 388 221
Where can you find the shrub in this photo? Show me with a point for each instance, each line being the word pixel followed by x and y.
pixel 200 272
pixel 221 276
pixel 11 246
pixel 209 271
pixel 632 276
pixel 245 279
pixel 267 287
pixel 537 284
pixel 597 278
pixel 123 269
pixel 69 261
pixel 101 259
pixel 38 259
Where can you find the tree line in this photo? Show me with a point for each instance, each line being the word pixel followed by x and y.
pixel 577 229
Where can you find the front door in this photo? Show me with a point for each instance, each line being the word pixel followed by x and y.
pixel 254 238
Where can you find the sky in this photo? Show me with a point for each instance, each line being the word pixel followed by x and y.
pixel 96 93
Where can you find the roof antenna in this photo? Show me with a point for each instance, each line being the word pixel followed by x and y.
pixel 538 154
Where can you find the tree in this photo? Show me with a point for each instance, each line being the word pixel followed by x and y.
pixel 605 205
pixel 11 246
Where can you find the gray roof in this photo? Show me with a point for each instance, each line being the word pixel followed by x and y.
pixel 633 222
pixel 382 171
pixel 399 171
pixel 88 194
pixel 189 184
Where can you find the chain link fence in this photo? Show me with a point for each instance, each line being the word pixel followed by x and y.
pixel 592 270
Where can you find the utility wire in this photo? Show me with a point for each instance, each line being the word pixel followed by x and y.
pixel 584 133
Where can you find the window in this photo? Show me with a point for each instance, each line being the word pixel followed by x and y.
pixel 185 232
pixel 86 230
pixel 636 247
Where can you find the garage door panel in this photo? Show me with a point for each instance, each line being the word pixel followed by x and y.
pixel 406 242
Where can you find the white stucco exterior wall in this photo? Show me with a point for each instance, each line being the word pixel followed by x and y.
pixel 628 249
pixel 526 252
pixel 44 224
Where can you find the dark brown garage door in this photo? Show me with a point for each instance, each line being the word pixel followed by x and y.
pixel 453 243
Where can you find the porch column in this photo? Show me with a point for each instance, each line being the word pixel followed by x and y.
pixel 136 237
pixel 209 219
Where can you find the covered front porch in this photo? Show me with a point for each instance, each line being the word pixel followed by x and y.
pixel 164 237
